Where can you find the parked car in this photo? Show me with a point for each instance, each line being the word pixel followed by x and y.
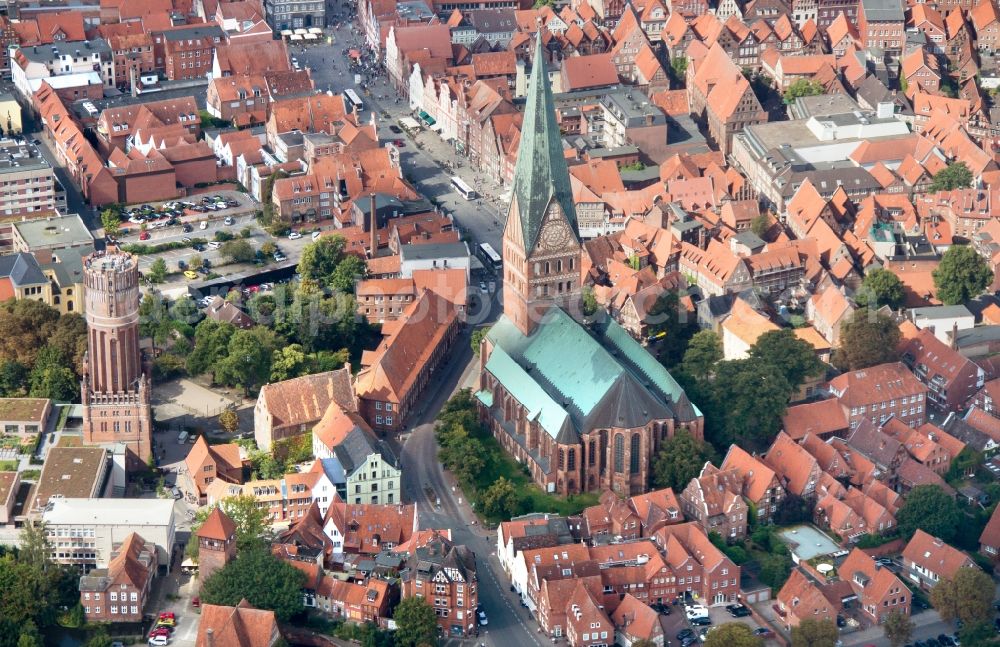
pixel 144 235
pixel 229 221
pixel 395 129
pixel 483 620
pixel 203 224
pixel 696 611
pixel 198 247
pixel 182 265
pixel 214 244
pixel 738 611
pixel 762 631
pixel 399 143
pixel 189 275
pixel 187 228
pixel 294 235
pixel 159 641
pixel 685 633
pixel 701 621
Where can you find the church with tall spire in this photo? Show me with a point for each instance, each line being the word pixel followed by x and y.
pixel 581 404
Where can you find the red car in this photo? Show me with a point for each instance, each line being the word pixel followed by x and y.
pixel 196 601
pixel 144 236
pixel 399 143
pixel 159 631
pixel 168 614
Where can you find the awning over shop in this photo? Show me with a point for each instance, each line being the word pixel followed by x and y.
pixel 426 118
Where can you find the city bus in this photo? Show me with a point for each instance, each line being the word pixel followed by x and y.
pixel 467 192
pixel 490 257
pixel 353 100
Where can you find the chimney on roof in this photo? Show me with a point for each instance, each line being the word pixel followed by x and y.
pixel 373 227
pixel 209 637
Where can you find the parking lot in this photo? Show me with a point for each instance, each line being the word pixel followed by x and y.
pixel 679 631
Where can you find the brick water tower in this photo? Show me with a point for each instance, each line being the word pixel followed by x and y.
pixel 115 387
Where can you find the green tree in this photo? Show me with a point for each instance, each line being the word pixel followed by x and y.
pixel 978 634
pixel 794 357
pixel 13 379
pixel 775 569
pixel 760 224
pixel 51 378
pixel 802 88
pixel 679 66
pixel 211 343
pixel 157 272
pixel 111 222
pixel 29 637
pixel 756 395
pixel 99 638
pixel 349 270
pixel 930 509
pixel 954 176
pixel 679 460
pixel 264 580
pixel 229 421
pixel 500 500
pixel 250 521
pixel 35 549
pixel 968 596
pixel 268 249
pixel 898 628
pixel 668 315
pixel 881 287
pixel 961 275
pixel 477 339
pixel 733 634
pixel 866 340
pixel 288 362
pixel 248 360
pixel 238 251
pixel 320 259
pixel 416 623
pixel 815 633
pixel 589 301
pixel 704 351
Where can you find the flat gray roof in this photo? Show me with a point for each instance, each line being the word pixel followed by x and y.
pixel 54 232
pixel 73 49
pixel 20 156
pixel 433 250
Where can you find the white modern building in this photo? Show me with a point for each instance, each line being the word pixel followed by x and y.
pixel 85 531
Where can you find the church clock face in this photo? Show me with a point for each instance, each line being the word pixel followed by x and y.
pixel 555 236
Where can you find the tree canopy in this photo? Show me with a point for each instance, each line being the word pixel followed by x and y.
pixel 249 518
pixel 733 634
pixel 500 499
pixel 815 633
pixel 955 175
pixel 961 275
pixel 802 88
pixel 866 340
pixel 753 396
pixel 679 460
pixel 416 623
pixel 968 596
pixel 929 508
pixel 794 357
pixel 264 580
pixel 703 352
pixel 238 251
pixel 881 287
pixel 898 628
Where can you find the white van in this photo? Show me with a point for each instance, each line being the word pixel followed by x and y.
pixel 182 438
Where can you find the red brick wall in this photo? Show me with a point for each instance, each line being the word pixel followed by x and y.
pixel 195 171
pixel 148 188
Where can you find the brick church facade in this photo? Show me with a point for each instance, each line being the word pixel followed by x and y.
pixel 584 407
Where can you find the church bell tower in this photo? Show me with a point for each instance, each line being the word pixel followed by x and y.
pixel 541 238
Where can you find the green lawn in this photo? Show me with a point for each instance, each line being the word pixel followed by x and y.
pixel 8 466
pixel 533 499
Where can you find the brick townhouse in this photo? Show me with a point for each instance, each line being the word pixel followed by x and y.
pixel 444 574
pixel 880 392
pixel 714 500
pixel 118 593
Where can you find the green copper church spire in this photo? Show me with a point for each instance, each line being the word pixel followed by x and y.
pixel 540 175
